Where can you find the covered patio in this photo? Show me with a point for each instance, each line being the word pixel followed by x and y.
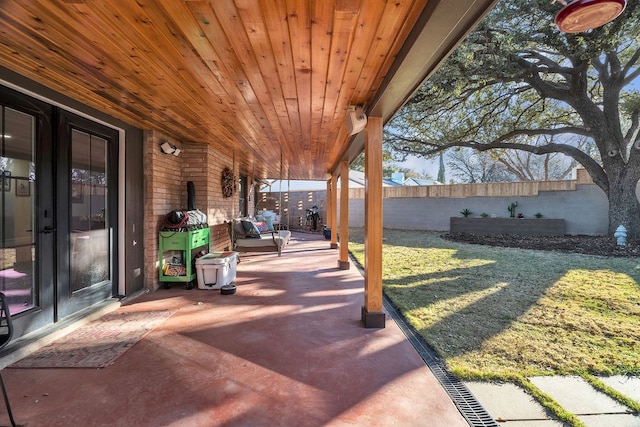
pixel 243 88
pixel 259 89
pixel 287 349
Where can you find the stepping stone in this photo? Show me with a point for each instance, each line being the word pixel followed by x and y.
pixel 617 420
pixel 508 403
pixel 629 386
pixel 578 397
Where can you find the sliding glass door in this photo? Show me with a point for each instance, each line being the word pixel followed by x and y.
pixel 27 224
pixel 58 204
pixel 88 155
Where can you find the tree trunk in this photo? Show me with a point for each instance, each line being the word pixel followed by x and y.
pixel 624 208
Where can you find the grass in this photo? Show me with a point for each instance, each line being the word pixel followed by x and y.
pixel 510 311
pixel 503 311
pixel 505 314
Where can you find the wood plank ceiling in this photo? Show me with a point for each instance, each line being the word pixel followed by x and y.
pixel 263 80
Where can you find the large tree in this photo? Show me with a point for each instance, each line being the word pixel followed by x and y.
pixel 517 77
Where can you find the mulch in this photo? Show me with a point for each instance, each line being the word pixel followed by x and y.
pixel 591 245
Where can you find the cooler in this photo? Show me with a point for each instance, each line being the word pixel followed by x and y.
pixel 216 269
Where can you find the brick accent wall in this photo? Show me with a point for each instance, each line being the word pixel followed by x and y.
pixel 166 179
pixel 162 178
pixel 220 241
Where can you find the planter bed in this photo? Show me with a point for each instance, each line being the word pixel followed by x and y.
pixel 522 226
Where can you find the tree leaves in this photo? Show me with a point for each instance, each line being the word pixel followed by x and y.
pixel 517 74
pixel 517 79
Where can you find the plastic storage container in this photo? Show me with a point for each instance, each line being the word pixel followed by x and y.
pixel 216 269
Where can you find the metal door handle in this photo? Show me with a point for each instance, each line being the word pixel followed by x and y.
pixel 48 229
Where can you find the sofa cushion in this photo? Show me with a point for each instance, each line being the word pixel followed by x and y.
pixel 266 241
pixel 269 221
pixel 250 228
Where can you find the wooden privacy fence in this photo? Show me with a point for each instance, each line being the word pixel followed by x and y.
pixel 490 189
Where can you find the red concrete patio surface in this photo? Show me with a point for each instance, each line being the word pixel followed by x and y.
pixel 288 349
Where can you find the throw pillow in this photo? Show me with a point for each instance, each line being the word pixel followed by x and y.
pixel 238 229
pixel 250 228
pixel 269 221
pixel 261 226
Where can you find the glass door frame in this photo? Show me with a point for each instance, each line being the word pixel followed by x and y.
pixel 44 232
pixel 69 302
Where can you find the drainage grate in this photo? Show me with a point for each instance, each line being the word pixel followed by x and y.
pixel 469 407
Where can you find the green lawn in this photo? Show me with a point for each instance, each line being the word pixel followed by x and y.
pixel 503 313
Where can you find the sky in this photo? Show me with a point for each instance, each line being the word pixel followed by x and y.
pixel 419 164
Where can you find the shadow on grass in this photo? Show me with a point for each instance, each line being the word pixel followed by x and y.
pixel 460 308
pixel 459 297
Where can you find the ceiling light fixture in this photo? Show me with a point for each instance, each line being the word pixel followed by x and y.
pixel 584 15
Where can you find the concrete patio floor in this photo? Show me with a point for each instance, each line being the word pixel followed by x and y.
pixel 288 349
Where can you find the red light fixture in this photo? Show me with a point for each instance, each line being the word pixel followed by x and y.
pixel 583 15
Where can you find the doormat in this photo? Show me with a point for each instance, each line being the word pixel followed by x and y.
pixel 96 344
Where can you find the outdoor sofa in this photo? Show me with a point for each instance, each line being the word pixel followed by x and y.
pixel 249 235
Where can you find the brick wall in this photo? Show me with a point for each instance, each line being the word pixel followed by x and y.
pixel 220 241
pixel 166 179
pixel 194 165
pixel 162 179
pixel 219 208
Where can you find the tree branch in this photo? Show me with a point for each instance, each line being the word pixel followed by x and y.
pixel 614 63
pixel 633 128
pixel 549 65
pixel 534 132
pixel 595 170
pixel 629 65
pixel 599 66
